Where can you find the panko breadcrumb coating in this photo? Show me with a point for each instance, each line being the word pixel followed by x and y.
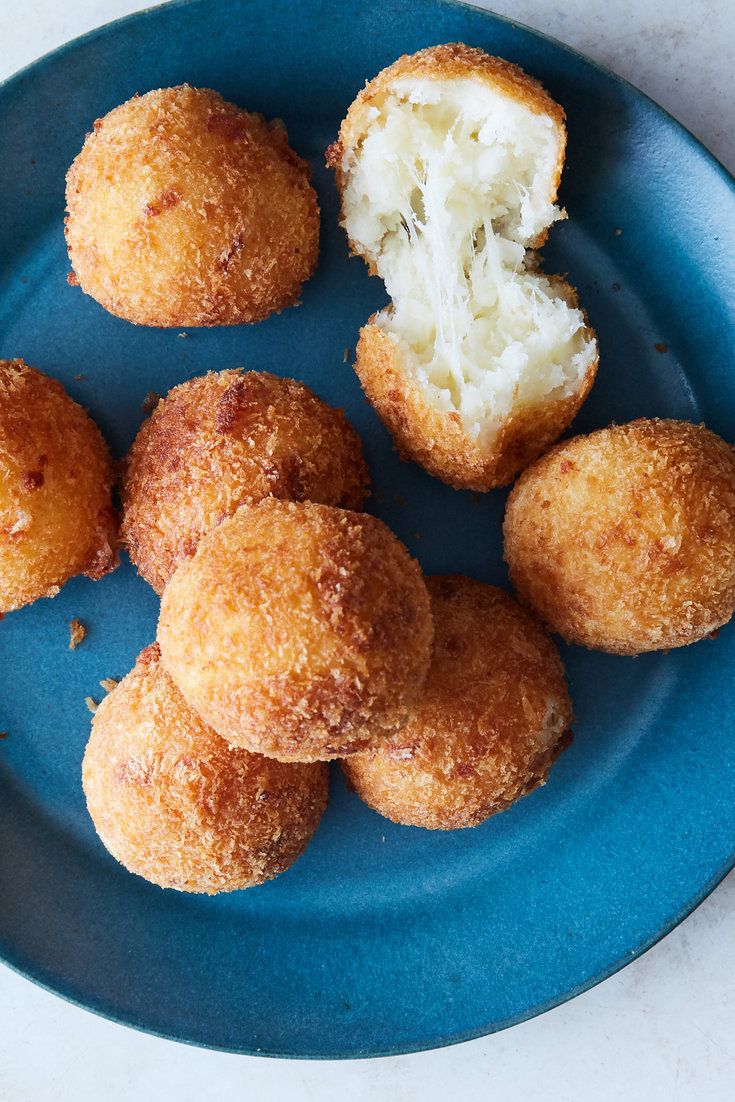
pixel 448 164
pixel 438 440
pixel 494 715
pixel 227 439
pixel 624 540
pixel 56 516
pixel 185 210
pixel 298 630
pixel 174 803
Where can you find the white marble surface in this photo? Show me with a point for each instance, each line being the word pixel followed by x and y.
pixel 661 1031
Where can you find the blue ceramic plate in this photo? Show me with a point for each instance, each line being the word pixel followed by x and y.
pixel 381 938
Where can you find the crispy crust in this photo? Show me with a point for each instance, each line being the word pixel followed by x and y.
pixel 622 540
pixel 56 475
pixel 223 440
pixel 493 717
pixel 438 440
pixel 175 804
pixel 298 630
pixel 451 61
pixel 184 210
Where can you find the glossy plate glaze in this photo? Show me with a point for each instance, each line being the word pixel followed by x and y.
pixel 382 938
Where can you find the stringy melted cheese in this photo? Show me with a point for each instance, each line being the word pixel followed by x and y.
pixel 444 193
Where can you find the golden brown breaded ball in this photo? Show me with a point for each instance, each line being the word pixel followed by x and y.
pixel 494 715
pixel 185 210
pixel 438 437
pixel 448 164
pixel 56 516
pixel 624 540
pixel 174 803
pixel 227 439
pixel 298 630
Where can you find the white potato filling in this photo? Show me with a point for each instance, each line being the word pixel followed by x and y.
pixel 448 184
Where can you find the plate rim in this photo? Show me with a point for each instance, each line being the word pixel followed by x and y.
pixel 8 86
pixel 447 1041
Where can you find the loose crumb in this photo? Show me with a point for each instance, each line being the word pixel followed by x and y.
pixel 183 334
pixel 661 347
pixel 345 355
pixel 109 683
pixel 617 231
pixel 91 704
pixel 78 377
pixel 77 633
pixel 150 401
pixel 3 734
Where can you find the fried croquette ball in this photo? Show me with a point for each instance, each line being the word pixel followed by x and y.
pixel 185 210
pixel 227 439
pixel 298 630
pixel 448 164
pixel 174 803
pixel 493 716
pixel 624 540
pixel 56 475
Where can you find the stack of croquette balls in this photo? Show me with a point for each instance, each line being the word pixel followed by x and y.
pixel 294 628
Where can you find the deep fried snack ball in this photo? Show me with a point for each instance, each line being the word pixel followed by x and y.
pixel 624 540
pixel 56 475
pixel 174 803
pixel 185 210
pixel 298 630
pixel 447 165
pixel 227 439
pixel 493 717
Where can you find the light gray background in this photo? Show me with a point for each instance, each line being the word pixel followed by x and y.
pixel 661 1031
